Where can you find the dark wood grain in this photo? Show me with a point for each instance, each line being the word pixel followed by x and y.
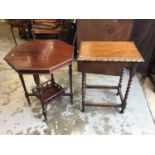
pixel 40 56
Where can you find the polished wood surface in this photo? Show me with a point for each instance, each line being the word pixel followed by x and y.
pixel 40 56
pixel 109 51
pixel 50 90
pixel 108 57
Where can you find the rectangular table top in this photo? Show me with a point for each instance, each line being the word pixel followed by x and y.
pixel 121 51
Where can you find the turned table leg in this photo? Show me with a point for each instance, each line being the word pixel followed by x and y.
pixel 120 82
pixel 83 90
pixel 70 81
pixel 39 91
pixel 24 87
pixel 132 72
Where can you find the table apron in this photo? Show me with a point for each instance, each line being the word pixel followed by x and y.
pixel 108 68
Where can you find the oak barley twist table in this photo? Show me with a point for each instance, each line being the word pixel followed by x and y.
pixel 110 58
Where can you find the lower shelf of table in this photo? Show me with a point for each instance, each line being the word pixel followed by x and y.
pixel 50 90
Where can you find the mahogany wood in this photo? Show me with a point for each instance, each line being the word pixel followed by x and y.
pixel 42 56
pixel 25 89
pixel 50 90
pixel 39 94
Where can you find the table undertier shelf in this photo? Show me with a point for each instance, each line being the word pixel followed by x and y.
pixel 50 90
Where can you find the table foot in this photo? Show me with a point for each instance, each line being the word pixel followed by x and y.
pixel 45 115
pixel 28 99
pixel 83 110
pixel 40 94
pixel 70 95
pixel 122 111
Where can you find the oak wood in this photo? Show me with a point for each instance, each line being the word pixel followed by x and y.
pixel 40 56
pixel 109 51
pixel 98 67
pixel 107 57
pixel 101 87
pixel 103 104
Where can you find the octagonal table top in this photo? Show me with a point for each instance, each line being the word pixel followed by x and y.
pixel 40 56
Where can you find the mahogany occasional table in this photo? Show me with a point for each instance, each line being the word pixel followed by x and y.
pixel 42 57
pixel 107 57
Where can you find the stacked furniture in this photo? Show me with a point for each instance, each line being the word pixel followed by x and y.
pixel 52 27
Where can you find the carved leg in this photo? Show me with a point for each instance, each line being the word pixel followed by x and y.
pixel 132 72
pixel 83 91
pixel 70 81
pixel 13 35
pixel 24 87
pixel 120 81
pixel 39 91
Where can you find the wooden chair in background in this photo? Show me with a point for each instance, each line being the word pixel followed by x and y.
pixel 52 27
